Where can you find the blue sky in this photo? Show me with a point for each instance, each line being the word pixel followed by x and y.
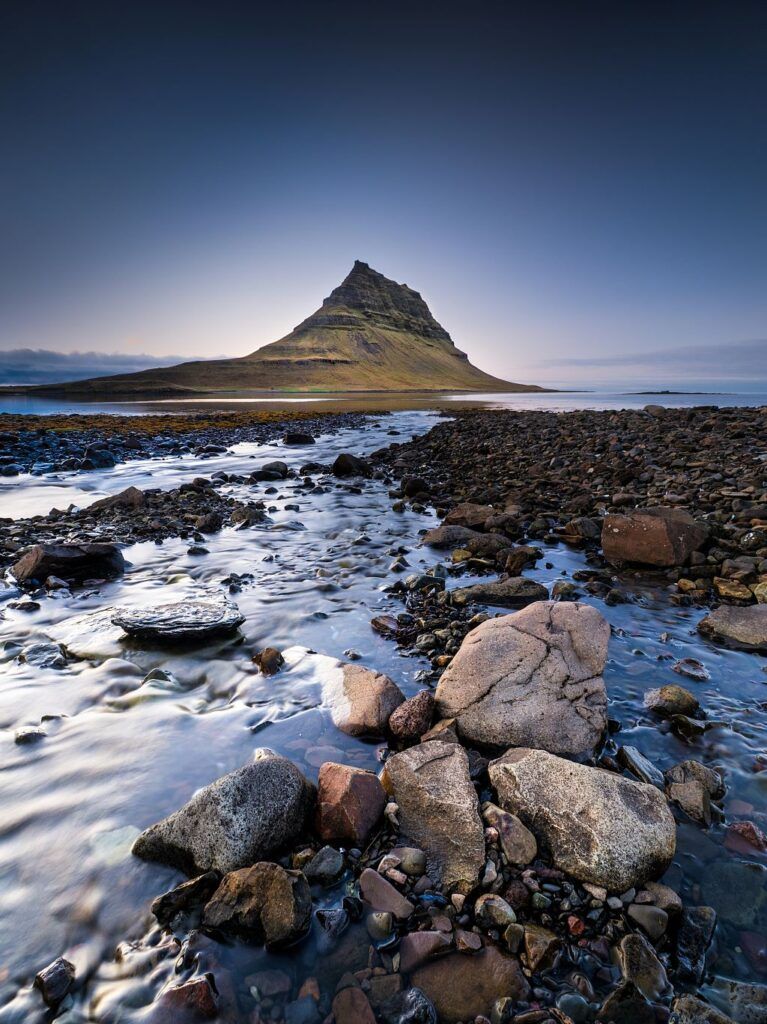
pixel 566 184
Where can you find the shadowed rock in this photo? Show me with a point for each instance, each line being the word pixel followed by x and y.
pixel 182 620
pixel 70 562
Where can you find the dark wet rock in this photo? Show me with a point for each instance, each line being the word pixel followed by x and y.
pixel 695 934
pixel 269 660
pixel 692 668
pixel 746 1002
pixel 351 1006
pixel 671 700
pixel 71 562
pixel 651 920
pixel 417 1008
pixel 263 903
pixel 412 718
pixel 639 964
pixel 210 522
pixel 55 980
pixel 654 536
pixel 130 498
pixel 737 627
pixel 737 889
pixel 541 946
pixel 688 1009
pixel 492 911
pixel 361 700
pixel 200 620
pixel 531 679
pixel 325 867
pixel 381 895
pixel 192 1001
pixel 418 947
pixel 515 592
pixel 462 987
pixel 413 486
pixel 640 766
pixel 598 827
pixel 28 734
pixel 745 837
pixel 447 536
pixel 626 1005
pixel 347 465
pixel 438 810
pixel 240 818
pixel 297 437
pixel 350 802
pixel 185 897
pixel 517 842
pixel 693 786
pixel 43 655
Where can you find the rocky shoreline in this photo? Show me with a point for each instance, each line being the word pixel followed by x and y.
pixel 505 864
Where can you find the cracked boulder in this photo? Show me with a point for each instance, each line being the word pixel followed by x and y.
pixel 532 679
pixel 438 811
pixel 597 826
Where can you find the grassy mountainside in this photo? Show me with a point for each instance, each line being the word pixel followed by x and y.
pixel 370 334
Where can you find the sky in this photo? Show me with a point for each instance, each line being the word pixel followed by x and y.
pixel 577 189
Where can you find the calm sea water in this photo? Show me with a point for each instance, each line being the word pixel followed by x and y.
pixel 377 401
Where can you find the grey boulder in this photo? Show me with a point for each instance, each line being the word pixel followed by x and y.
pixel 241 818
pixel 744 628
pixel 597 826
pixel 438 811
pixel 514 592
pixel 531 679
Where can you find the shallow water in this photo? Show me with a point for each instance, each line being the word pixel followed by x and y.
pixel 377 401
pixel 118 755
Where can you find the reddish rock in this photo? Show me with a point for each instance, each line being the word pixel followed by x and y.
pixel 381 895
pixel 351 1006
pixel 469 515
pixel 745 837
pixel 350 802
pixel 418 947
pixel 360 700
pixel 413 718
pixel 193 1001
pixel 464 986
pixel 55 980
pixel 264 903
pixel 654 536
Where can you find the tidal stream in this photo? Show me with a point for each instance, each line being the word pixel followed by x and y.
pixel 120 752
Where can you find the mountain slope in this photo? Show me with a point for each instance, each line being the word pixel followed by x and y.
pixel 370 334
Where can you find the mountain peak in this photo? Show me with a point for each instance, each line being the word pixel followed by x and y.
pixel 365 296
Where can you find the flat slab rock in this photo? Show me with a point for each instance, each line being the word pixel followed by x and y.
pixel 598 826
pixel 438 810
pixel 745 628
pixel 463 987
pixel 243 817
pixel 182 620
pixel 70 562
pixel 515 592
pixel 531 679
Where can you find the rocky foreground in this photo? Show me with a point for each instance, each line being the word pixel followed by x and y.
pixel 502 866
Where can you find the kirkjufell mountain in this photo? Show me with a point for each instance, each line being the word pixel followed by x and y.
pixel 370 334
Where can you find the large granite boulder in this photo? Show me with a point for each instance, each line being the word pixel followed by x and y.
pixel 438 811
pixel 263 903
pixel 70 562
pixel 744 628
pixel 514 592
pixel 463 987
pixel 652 536
pixel 597 826
pixel 241 818
pixel 361 701
pixel 532 679
pixel 181 621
